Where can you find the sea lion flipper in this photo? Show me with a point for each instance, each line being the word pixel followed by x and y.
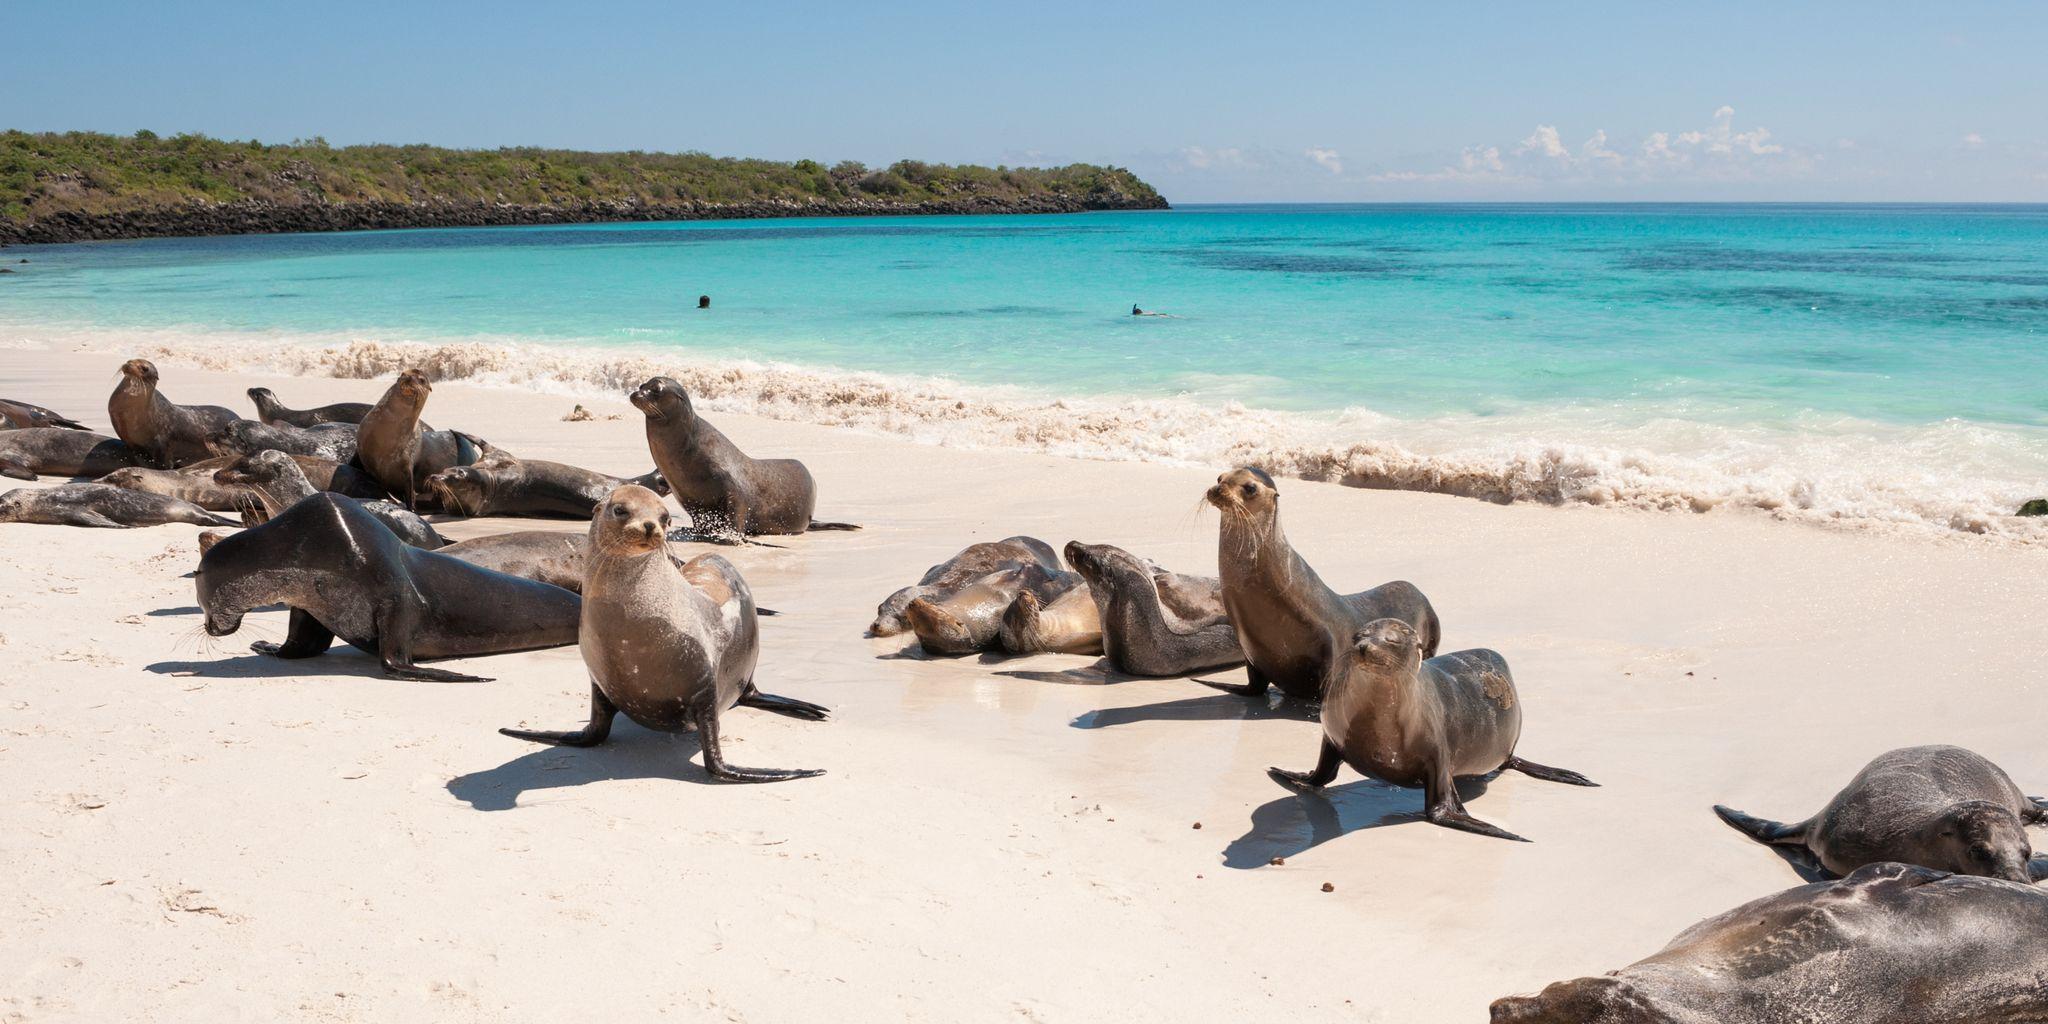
pixel 1445 808
pixel 1762 830
pixel 714 757
pixel 788 706
pixel 1255 684
pixel 602 711
pixel 304 638
pixel 816 525
pixel 1324 773
pixel 2040 815
pixel 16 471
pixel 397 670
pixel 1547 773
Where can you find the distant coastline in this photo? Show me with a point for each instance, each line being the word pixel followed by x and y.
pixel 82 186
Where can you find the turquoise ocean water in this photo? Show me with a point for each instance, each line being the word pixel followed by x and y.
pixel 1881 363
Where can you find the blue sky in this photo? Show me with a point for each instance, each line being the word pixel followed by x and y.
pixel 1211 102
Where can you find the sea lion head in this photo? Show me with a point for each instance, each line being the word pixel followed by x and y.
pixel 631 521
pixel 1986 839
pixel 225 594
pixel 1098 562
pixel 459 487
pixel 412 387
pixel 1246 493
pixel 1388 642
pixel 130 477
pixel 1579 1001
pixel 140 370
pixel 939 631
pixel 253 470
pixel 661 398
pixel 13 504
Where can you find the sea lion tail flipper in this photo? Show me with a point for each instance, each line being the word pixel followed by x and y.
pixel 2040 815
pixel 788 706
pixel 16 471
pixel 213 520
pixel 1547 773
pixel 816 525
pixel 714 756
pixel 758 610
pixel 602 711
pixel 400 668
pixel 1762 830
pixel 69 424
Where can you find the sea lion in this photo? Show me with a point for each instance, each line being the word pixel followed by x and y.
pixel 550 556
pixel 1890 944
pixel 274 412
pixel 945 579
pixel 1290 624
pixel 1939 807
pixel 277 483
pixel 972 618
pixel 506 486
pixel 202 491
pixel 1395 717
pixel 671 648
pixel 58 451
pixel 335 442
pixel 100 505
pixel 323 474
pixel 21 416
pixel 345 574
pixel 1067 624
pixel 399 451
pixel 172 434
pixel 1155 623
pixel 725 492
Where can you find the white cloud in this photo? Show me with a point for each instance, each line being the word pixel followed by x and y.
pixel 1973 140
pixel 1719 150
pixel 1326 157
pixel 1544 140
pixel 1200 158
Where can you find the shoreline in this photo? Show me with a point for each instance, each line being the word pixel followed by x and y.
pixel 1029 805
pixel 1835 482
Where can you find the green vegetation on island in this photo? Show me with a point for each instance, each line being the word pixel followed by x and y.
pixel 70 185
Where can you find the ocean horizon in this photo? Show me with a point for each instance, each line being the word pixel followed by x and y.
pixel 1872 364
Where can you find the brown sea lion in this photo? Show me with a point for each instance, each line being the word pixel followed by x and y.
pixel 323 474
pixel 501 485
pixel 345 574
pixel 99 505
pixel 725 492
pixel 1394 717
pixel 1290 624
pixel 21 416
pixel 401 453
pixel 972 618
pixel 1067 624
pixel 1939 807
pixel 672 648
pixel 945 579
pixel 202 491
pixel 277 483
pixel 1890 944
pixel 550 556
pixel 274 412
pixel 1155 623
pixel 172 434
pixel 57 451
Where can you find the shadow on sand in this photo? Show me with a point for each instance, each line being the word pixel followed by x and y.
pixel 263 666
pixel 1298 822
pixel 631 753
pixel 1216 707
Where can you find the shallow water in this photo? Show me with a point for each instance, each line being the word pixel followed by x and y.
pixel 1879 364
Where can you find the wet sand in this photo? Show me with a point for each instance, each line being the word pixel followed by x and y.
pixel 193 830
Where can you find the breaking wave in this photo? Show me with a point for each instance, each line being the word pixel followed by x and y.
pixel 1953 477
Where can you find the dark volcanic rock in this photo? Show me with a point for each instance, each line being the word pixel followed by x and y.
pixel 2036 507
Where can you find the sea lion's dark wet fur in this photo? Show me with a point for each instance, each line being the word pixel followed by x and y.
pixel 345 574
pixel 100 505
pixel 1939 807
pixel 945 579
pixel 172 434
pixel 1395 717
pixel 1290 624
pixel 720 487
pixel 1155 623
pixel 58 451
pixel 335 442
pixel 502 485
pixel 1890 944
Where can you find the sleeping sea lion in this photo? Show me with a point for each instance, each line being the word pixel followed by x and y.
pixel 945 579
pixel 274 413
pixel 501 485
pixel 202 491
pixel 58 451
pixel 21 416
pixel 100 505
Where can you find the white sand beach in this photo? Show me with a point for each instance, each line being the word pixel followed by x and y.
pixel 194 832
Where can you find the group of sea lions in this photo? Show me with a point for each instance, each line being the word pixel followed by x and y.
pixel 1930 915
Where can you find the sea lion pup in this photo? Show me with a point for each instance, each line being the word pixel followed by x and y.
pixel 335 442
pixel 1290 624
pixel 21 416
pixel 972 618
pixel 344 574
pixel 1939 807
pixel 672 648
pixel 202 491
pixel 172 434
pixel 1890 944
pixel 1068 624
pixel 100 505
pixel 945 579
pixel 501 485
pixel 399 451
pixel 58 451
pixel 725 492
pixel 1394 717
pixel 276 482
pixel 274 413
pixel 1155 623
